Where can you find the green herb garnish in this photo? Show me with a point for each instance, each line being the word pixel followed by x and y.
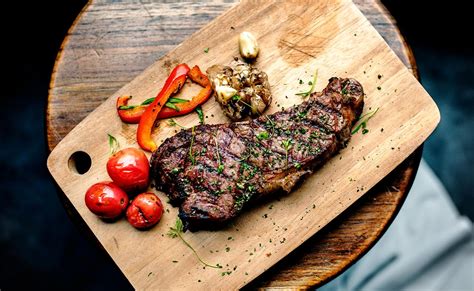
pixel 175 171
pixel 200 114
pixel 362 122
pixel 286 144
pixel 148 101
pixel 177 100
pixel 262 135
pixel 126 107
pixel 206 50
pixel 113 144
pixel 173 122
pixel 313 84
pixel 239 99
pixel 172 106
pixel 220 169
pixel 177 231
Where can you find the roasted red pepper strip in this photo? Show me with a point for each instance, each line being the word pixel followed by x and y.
pixel 132 114
pixel 173 84
pixel 184 108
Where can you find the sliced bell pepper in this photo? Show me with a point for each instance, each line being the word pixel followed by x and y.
pixel 187 107
pixel 173 84
pixel 129 114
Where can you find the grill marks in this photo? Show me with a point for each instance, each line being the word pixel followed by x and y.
pixel 259 157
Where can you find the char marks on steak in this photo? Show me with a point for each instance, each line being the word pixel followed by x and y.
pixel 213 171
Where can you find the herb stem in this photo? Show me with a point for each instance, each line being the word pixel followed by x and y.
pixel 313 84
pixel 239 99
pixel 173 122
pixel 176 232
pixel 362 121
pixel 195 253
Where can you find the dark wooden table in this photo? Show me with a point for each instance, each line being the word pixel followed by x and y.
pixel 111 42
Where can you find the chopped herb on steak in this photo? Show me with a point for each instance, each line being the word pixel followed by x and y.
pixel 234 164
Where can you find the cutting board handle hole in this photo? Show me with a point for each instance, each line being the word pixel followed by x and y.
pixel 79 162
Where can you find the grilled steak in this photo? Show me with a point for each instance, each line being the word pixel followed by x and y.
pixel 213 171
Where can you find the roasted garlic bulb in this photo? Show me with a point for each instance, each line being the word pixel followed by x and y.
pixel 241 89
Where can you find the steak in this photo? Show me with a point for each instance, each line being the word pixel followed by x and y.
pixel 212 172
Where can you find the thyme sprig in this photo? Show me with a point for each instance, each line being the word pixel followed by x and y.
pixel 362 122
pixel 313 84
pixel 177 231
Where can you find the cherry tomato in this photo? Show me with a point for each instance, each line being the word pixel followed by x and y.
pixel 145 211
pixel 129 169
pixel 106 200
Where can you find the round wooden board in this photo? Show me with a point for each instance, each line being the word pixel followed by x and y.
pixel 111 42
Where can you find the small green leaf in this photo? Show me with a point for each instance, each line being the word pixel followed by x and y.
pixel 173 122
pixel 262 135
pixel 206 50
pixel 200 114
pixel 113 144
pixel 220 169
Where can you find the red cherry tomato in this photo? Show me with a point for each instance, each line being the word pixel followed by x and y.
pixel 129 169
pixel 145 211
pixel 106 200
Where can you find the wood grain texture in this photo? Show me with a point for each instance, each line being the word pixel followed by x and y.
pixel 100 56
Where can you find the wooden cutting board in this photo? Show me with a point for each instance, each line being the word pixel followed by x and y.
pixel 296 38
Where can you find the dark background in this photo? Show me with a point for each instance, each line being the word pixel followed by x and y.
pixel 41 248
